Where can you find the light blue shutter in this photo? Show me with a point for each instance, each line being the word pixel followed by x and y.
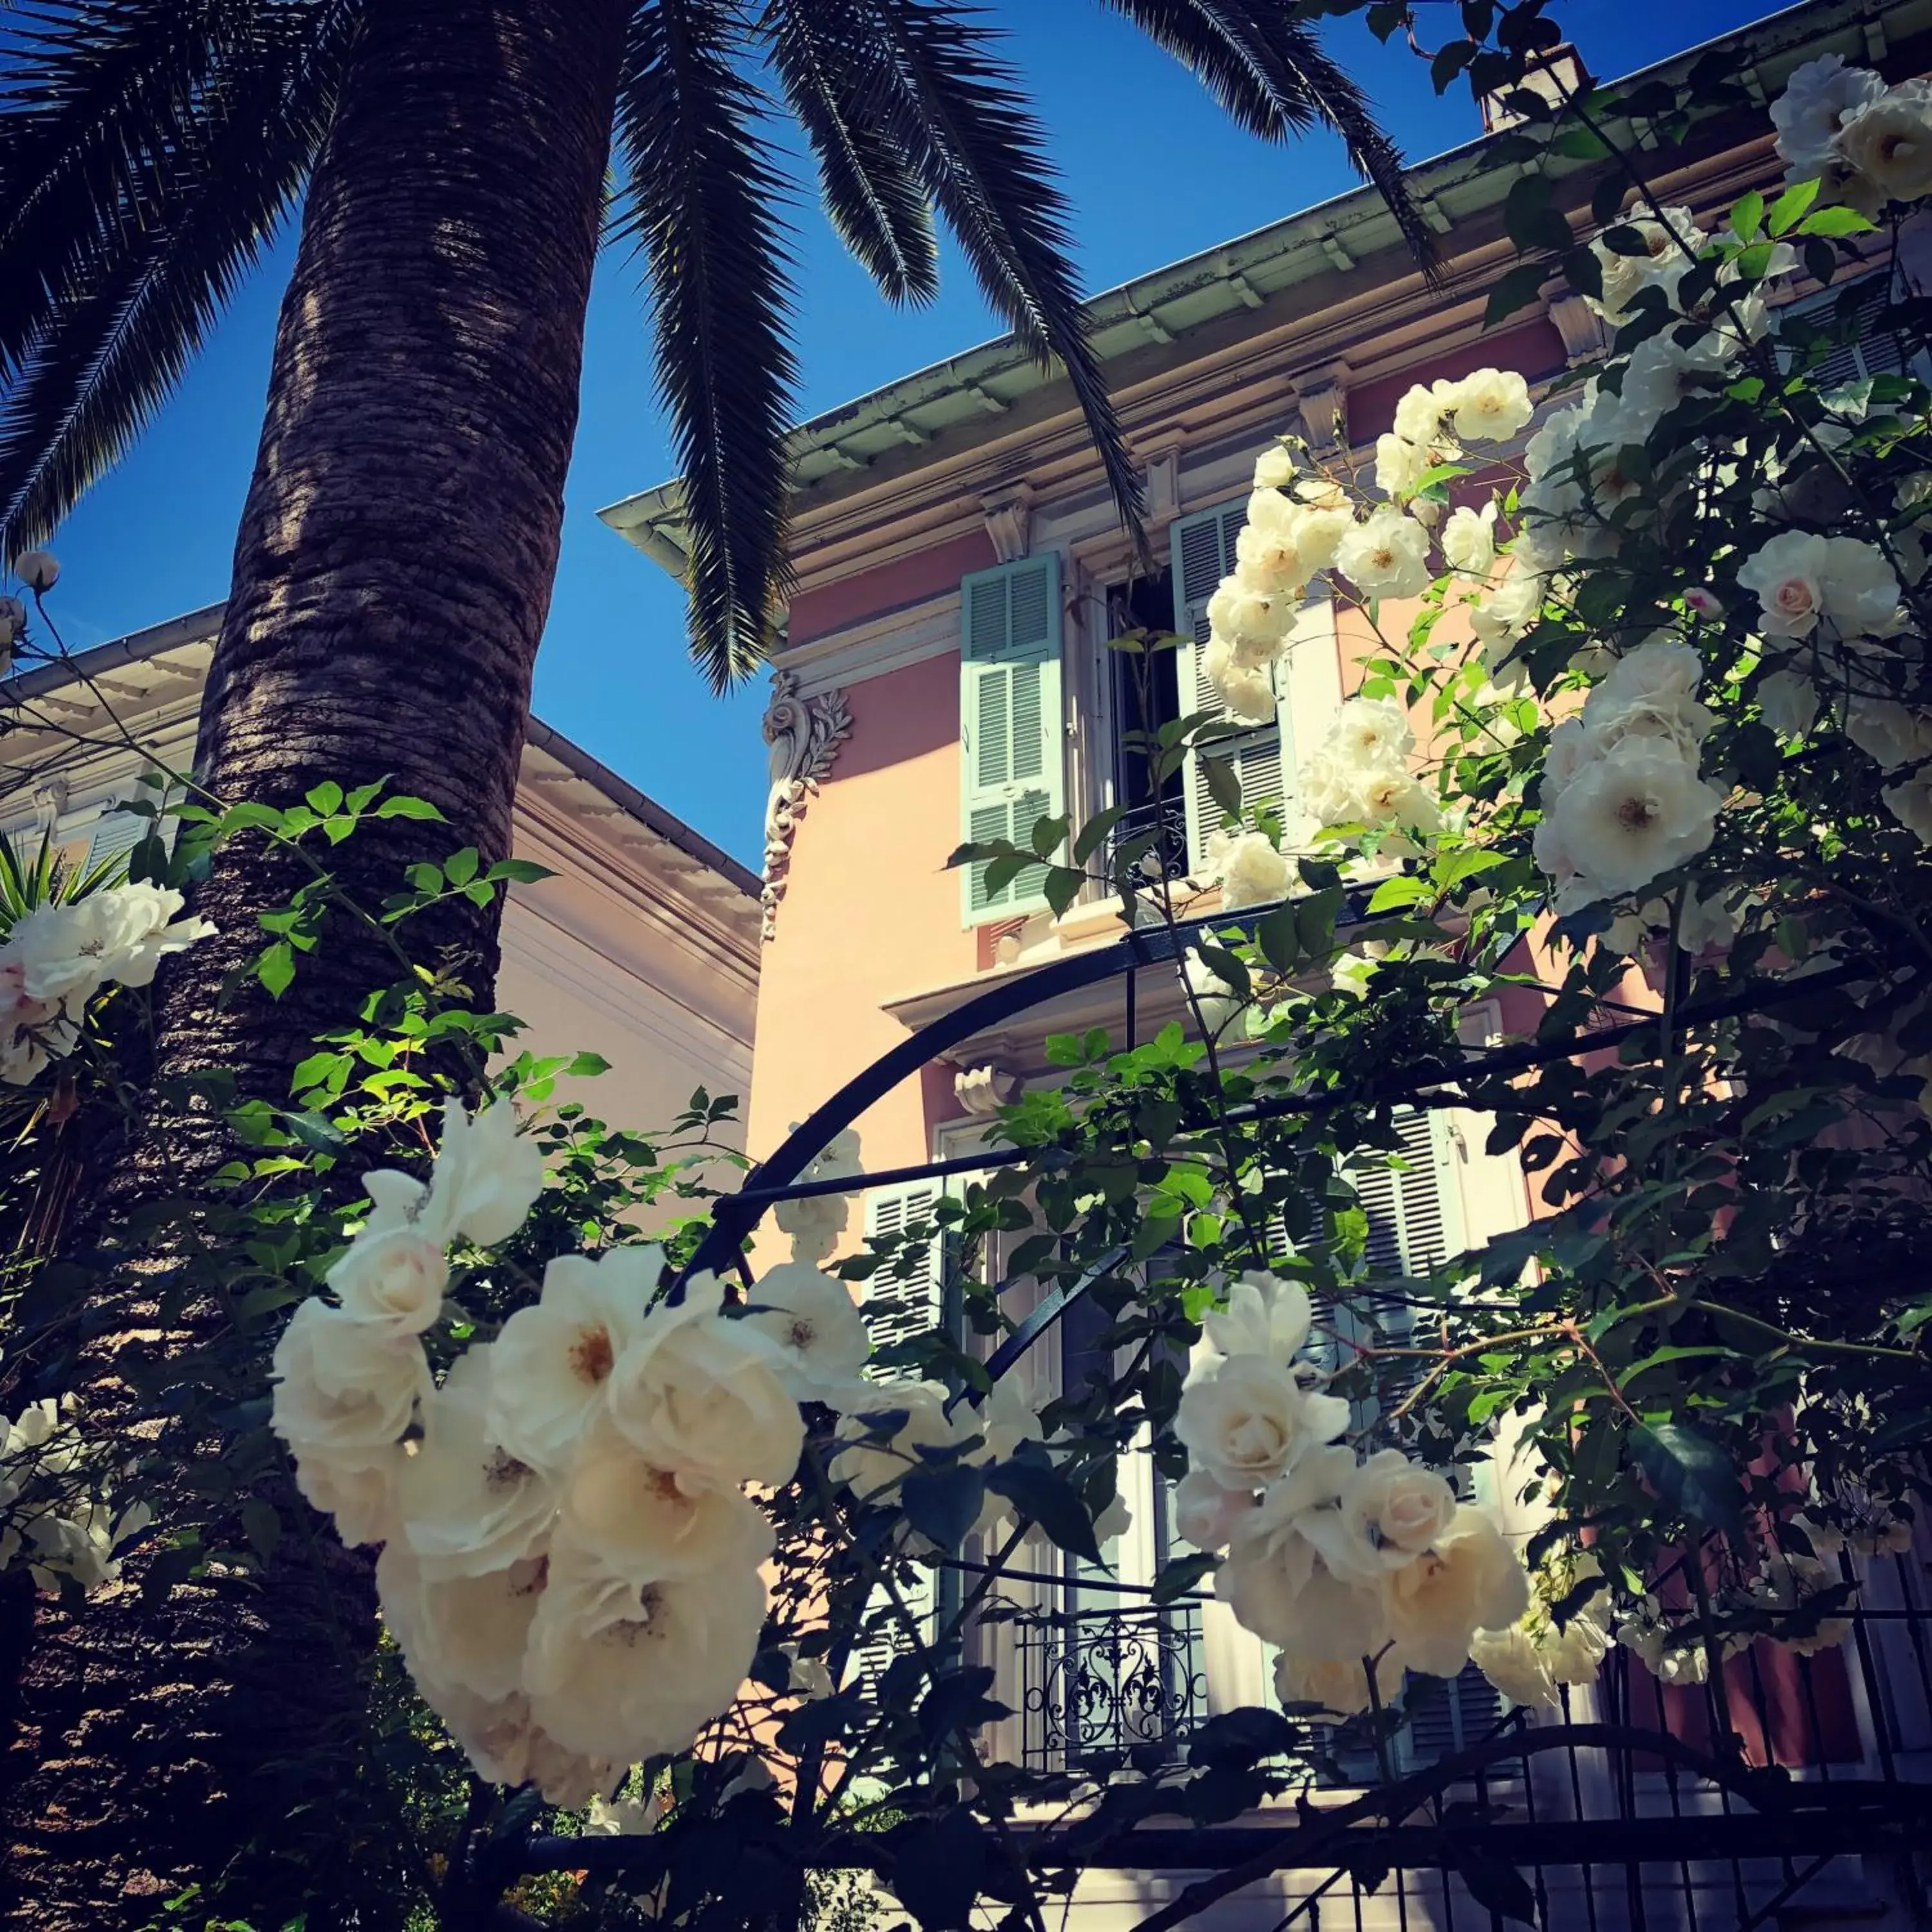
pixel 1204 553
pixel 116 833
pixel 1012 759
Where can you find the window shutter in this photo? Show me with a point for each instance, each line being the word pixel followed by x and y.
pixel 897 1308
pixel 1013 752
pixel 1873 350
pixel 116 833
pixel 1204 553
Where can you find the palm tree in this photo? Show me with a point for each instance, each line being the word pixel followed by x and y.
pixel 452 160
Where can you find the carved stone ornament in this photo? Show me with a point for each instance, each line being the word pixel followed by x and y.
pixel 983 1090
pixel 1009 520
pixel 1585 337
pixel 1323 397
pixel 804 734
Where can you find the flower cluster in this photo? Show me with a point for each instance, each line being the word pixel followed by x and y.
pixel 1537 1653
pixel 815 1222
pixel 1622 800
pixel 1867 144
pixel 1359 774
pixel 1358 1568
pixel 57 956
pixel 569 1564
pixel 55 1506
pixel 1433 421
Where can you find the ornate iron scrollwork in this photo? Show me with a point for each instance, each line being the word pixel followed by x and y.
pixel 1111 1686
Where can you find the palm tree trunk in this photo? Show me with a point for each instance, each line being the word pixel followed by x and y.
pixel 391 579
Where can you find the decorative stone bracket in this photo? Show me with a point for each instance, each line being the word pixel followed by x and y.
pixel 983 1090
pixel 804 734
pixel 1322 395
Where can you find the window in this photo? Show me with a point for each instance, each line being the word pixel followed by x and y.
pixel 1146 690
pixel 1263 759
pixel 1012 761
pixel 1857 312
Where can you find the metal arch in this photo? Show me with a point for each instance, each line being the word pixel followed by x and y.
pixel 735 1215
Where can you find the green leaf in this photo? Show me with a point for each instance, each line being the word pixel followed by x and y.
pixel 1790 208
pixel 1224 784
pixel 583 1066
pixel 407 808
pixel 261 1526
pixel 1061 886
pixel 519 871
pixel 460 868
pixel 1498 1887
pixel 1038 1490
pixel 326 798
pixel 1691 1473
pixel 1580 144
pixel 1839 220
pixel 1095 831
pixel 276 968
pixel 1277 934
pixel 941 1500
pixel 1180 1576
pixel 1748 216
pixel 1517 290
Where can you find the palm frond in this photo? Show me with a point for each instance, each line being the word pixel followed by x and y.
pixel 834 82
pixel 1272 75
pixel 100 104
pixel 956 109
pixel 113 341
pixel 699 206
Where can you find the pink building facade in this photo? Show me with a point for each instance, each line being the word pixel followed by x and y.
pixel 961 569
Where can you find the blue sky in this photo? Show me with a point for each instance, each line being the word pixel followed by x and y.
pixel 1154 173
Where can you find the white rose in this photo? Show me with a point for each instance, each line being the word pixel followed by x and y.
pixel 1391 1511
pixel 554 1359
pixel 620 1672
pixel 37 569
pixel 1248 616
pixel 1511 1660
pixel 1399 464
pixel 1419 414
pixel 1469 539
pixel 1252 872
pixel 816 1221
pixel 1861 590
pixel 1267 563
pixel 1892 734
pixel 1337 1684
pixel 1911 805
pixel 1370 729
pixel 1264 1314
pixel 1888 140
pixel 1572 1654
pixel 1509 612
pixel 646 1523
pixel 1318 532
pixel 1661 372
pixel 1247 690
pixel 1207 1515
pixel 701 1394
pixel 1468 1580
pixel 1275 1582
pixel 467 1505
pixel 1491 405
pixel 1245 1421
pixel 1810 112
pixel 359 1497
pixel 1274 469
pixel 1787 574
pixel 393 1279
pixel 487 1176
pixel 1214 998
pixel 1789 703
pixel 1670 247
pixel 1638 811
pixel 1386 557
pixel 346 1392
pixel 468 1630
pixel 1389 794
pixel 1570 749
pixel 812 1317
pixel 870 1461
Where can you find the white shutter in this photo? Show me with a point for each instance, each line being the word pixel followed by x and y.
pixel 1873 350
pixel 1012 724
pixel 896 1308
pixel 1263 759
pixel 116 833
